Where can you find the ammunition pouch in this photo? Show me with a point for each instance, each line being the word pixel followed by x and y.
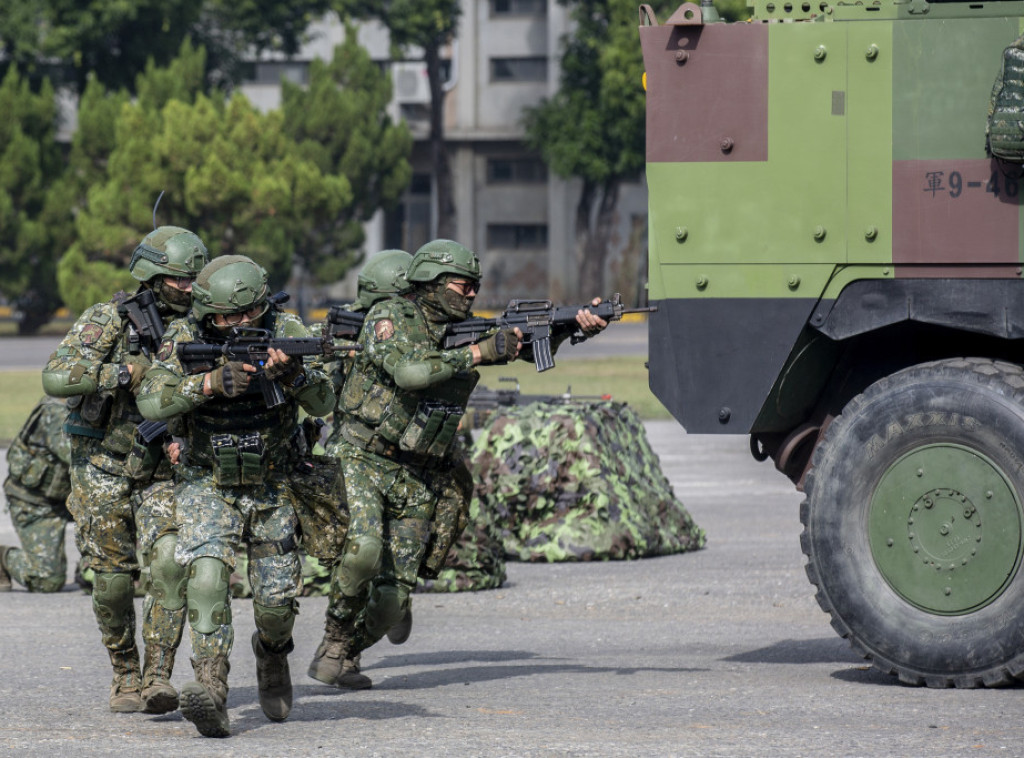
pixel 320 503
pixel 238 460
pixel 41 473
pixel 142 460
pixel 431 431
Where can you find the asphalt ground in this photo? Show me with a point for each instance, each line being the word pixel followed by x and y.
pixel 720 652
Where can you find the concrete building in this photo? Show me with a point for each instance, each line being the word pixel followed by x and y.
pixel 510 209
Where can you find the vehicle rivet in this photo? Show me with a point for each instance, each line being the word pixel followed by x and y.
pixel 702 282
pixel 911 535
pixel 885 272
pixel 963 562
pixel 870 233
pixel 917 550
pixel 928 502
pixel 889 542
pixel 820 53
pixel 948 591
pixel 989 494
pixel 871 53
pixel 727 144
pixel 974 552
pixel 794 282
pixel 943 530
pixel 920 472
pixel 682 233
pixel 916 507
pixel 682 56
pixel 819 233
pixel 724 414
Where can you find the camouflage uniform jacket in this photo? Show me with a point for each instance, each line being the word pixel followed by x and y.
pixel 414 423
pixel 85 368
pixel 39 457
pixel 169 390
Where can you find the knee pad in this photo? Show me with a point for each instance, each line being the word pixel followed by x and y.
pixel 275 622
pixel 359 564
pixel 167 579
pixel 385 608
pixel 112 597
pixel 208 607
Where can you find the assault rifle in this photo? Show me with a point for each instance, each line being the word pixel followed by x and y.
pixel 538 320
pixel 145 325
pixel 343 323
pixel 251 345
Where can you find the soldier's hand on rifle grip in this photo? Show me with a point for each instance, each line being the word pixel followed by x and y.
pixel 230 380
pixel 590 323
pixel 501 347
pixel 281 367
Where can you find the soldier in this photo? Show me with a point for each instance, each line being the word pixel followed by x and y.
pixel 232 483
pixel 404 398
pixel 37 486
pixel 119 503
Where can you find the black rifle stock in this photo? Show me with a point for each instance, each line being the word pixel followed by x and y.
pixel 252 346
pixel 538 320
pixel 145 325
pixel 343 323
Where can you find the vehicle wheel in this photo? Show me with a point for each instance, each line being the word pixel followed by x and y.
pixel 913 523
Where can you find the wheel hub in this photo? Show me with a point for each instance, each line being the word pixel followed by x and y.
pixel 947 550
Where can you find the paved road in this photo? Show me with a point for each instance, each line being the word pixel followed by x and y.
pixel 722 652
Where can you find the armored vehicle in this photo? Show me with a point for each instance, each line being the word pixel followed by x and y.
pixel 836 258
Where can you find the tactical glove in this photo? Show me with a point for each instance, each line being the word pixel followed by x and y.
pixel 230 380
pixel 285 372
pixel 501 347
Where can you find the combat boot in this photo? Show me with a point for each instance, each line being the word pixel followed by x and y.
pixel 273 678
pixel 400 632
pixel 5 575
pixel 158 696
pixel 333 662
pixel 125 688
pixel 204 701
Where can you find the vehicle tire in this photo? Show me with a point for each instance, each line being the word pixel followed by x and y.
pixel 913 523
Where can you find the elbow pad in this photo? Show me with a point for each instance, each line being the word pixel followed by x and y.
pixel 159 401
pixel 423 373
pixel 68 383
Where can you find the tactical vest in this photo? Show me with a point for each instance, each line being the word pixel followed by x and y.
pixel 1006 110
pixel 35 472
pixel 421 424
pixel 242 439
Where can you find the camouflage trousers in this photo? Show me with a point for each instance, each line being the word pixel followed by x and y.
pixel 40 563
pixel 117 522
pixel 390 506
pixel 215 522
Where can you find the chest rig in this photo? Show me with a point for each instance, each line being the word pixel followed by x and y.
pixel 415 427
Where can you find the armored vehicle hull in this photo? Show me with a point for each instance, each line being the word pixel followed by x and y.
pixel 837 259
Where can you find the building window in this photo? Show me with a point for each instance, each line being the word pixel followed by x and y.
pixel 517 236
pixel 272 72
pixel 519 7
pixel 519 69
pixel 516 170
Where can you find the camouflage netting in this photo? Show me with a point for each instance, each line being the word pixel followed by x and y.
pixel 578 482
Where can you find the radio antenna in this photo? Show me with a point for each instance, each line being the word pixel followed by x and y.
pixel 155 205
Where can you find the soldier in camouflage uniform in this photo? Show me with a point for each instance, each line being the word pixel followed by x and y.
pixel 232 485
pixel 37 486
pixel 121 493
pixel 404 399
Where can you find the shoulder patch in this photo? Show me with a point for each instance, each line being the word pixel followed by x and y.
pixel 90 333
pixel 166 350
pixel 384 329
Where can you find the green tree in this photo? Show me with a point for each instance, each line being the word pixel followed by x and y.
pixel 29 162
pixel 593 127
pixel 229 173
pixel 341 125
pixel 427 25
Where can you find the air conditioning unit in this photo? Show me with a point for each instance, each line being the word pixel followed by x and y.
pixel 411 84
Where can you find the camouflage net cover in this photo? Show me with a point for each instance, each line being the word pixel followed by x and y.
pixel 578 482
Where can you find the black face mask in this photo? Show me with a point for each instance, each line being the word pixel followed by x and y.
pixel 175 299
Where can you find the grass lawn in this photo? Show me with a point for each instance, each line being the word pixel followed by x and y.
pixel 624 378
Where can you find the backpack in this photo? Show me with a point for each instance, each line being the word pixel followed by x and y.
pixel 1005 130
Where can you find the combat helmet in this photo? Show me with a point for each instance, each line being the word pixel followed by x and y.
pixel 229 284
pixel 440 257
pixel 169 251
pixel 382 275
